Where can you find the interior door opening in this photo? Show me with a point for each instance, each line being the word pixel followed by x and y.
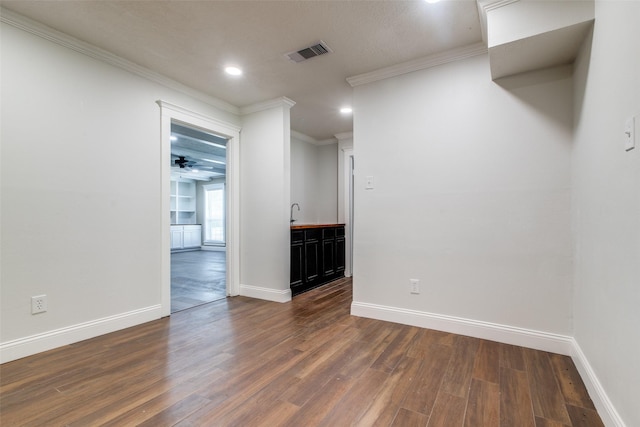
pixel 349 266
pixel 347 208
pixel 172 114
pixel 198 218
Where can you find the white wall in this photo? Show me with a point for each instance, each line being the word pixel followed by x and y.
pixel 80 193
pixel 471 195
pixel 314 185
pixel 304 172
pixel 327 187
pixel 265 199
pixel 606 205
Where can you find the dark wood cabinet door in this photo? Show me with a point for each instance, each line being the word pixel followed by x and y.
pixel 311 261
pixel 340 255
pixel 297 263
pixel 328 257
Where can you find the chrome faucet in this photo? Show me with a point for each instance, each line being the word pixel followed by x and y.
pixel 291 220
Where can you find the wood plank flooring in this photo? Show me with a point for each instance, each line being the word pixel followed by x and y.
pixel 246 362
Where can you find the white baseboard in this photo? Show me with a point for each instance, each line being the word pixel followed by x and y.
pixel 606 410
pixel 265 293
pixel 213 248
pixel 538 340
pixel 23 347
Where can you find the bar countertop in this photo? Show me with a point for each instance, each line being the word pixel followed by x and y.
pixel 306 226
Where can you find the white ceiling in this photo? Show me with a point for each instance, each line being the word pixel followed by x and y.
pixel 192 41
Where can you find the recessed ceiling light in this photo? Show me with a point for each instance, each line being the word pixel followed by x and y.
pixel 346 110
pixel 233 71
pixel 432 1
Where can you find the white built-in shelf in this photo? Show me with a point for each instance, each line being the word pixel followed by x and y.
pixel 183 202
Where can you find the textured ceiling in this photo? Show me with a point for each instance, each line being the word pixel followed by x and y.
pixel 192 41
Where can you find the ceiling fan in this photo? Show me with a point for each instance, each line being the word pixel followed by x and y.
pixel 187 165
pixel 183 163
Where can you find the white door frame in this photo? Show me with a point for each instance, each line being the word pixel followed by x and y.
pixel 348 209
pixel 172 113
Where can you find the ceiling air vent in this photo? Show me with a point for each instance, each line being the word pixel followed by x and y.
pixel 317 49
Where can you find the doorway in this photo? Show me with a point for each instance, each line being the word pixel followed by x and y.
pixel 347 207
pixel 215 131
pixel 198 180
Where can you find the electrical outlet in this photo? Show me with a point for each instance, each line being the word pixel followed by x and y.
pixel 414 285
pixel 38 304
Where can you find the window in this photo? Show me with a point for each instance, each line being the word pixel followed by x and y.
pixel 214 218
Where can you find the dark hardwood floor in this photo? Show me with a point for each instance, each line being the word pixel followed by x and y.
pixel 246 362
pixel 197 277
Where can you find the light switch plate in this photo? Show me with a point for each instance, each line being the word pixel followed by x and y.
pixel 369 183
pixel 630 134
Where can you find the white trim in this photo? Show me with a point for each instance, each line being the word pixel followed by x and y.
pixel 530 338
pixel 62 39
pixel 344 135
pixel 282 101
pixel 485 6
pixel 213 248
pixel 302 137
pixel 27 346
pixel 327 141
pixel 305 138
pixel 419 64
pixel 171 112
pixel 347 180
pixel 195 115
pixel 605 408
pixel 265 293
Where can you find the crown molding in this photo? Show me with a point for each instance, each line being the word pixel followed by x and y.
pixel 328 141
pixel 65 40
pixel 305 138
pixel 485 6
pixel 282 101
pixel 419 64
pixel 344 135
pixel 302 137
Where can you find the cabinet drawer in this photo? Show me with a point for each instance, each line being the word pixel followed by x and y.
pixel 313 234
pixel 328 233
pixel 297 236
